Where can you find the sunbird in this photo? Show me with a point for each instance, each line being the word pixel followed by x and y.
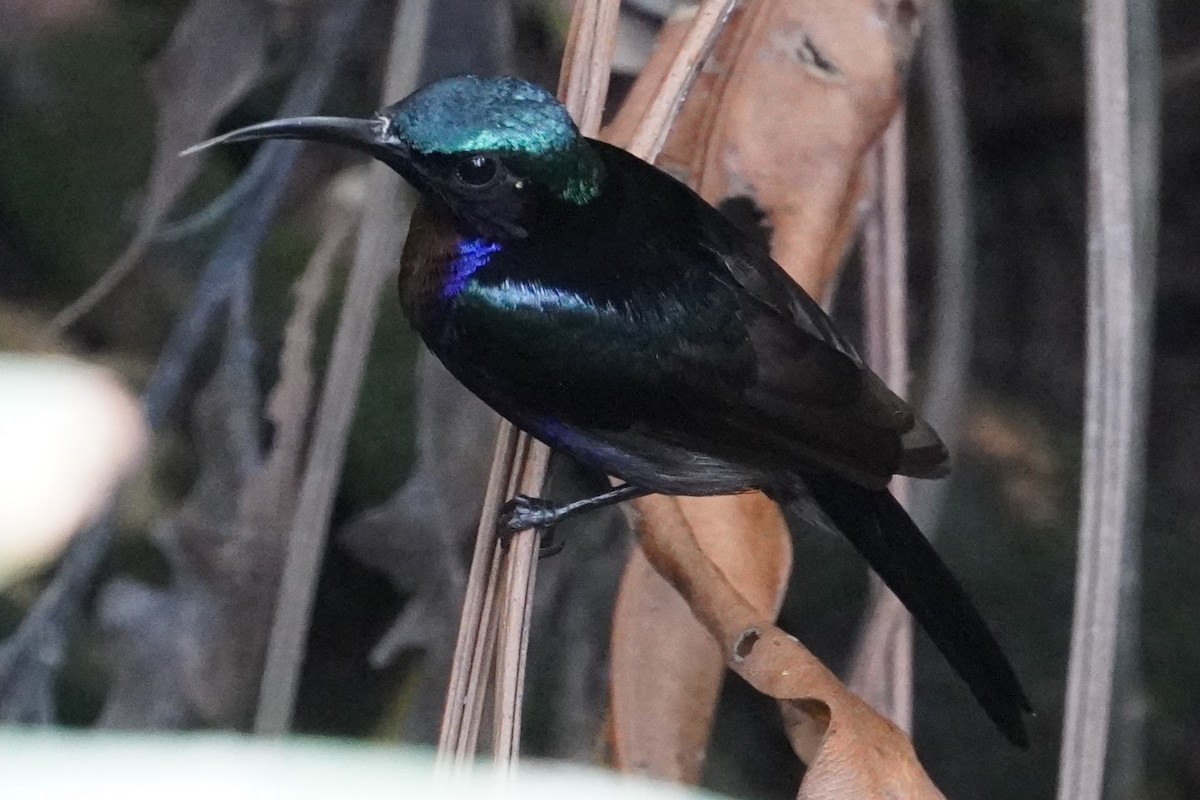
pixel 602 306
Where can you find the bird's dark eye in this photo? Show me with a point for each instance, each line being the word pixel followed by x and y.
pixel 476 171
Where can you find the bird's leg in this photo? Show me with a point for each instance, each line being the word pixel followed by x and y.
pixel 524 512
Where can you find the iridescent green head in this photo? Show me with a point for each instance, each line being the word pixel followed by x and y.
pixel 470 114
pixel 494 151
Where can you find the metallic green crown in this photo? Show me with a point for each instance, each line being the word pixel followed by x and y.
pixel 468 114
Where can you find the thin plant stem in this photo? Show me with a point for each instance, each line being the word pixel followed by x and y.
pixel 945 397
pixel 583 86
pixel 882 670
pixel 519 464
pixel 1118 352
pixel 378 250
pixel 650 136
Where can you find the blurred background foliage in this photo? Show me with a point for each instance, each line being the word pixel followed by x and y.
pixel 76 137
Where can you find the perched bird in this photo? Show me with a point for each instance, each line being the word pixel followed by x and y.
pixel 605 308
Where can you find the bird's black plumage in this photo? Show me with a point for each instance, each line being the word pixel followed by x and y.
pixel 672 344
pixel 604 307
pixel 694 365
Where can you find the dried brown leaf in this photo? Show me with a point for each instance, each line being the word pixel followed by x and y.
pixel 792 98
pixel 851 751
pixel 786 121
pixel 666 669
pixel 215 55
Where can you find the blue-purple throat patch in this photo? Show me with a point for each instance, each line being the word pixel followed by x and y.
pixel 473 255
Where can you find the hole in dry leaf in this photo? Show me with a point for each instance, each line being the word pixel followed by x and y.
pixel 744 646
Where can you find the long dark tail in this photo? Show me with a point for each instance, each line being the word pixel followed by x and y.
pixel 879 527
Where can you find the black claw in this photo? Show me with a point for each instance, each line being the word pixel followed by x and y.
pixel 524 512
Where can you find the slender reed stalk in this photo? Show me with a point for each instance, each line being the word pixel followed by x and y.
pixel 882 670
pixel 377 253
pixel 510 574
pixel 1118 352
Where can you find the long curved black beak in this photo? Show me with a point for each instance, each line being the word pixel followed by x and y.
pixel 367 135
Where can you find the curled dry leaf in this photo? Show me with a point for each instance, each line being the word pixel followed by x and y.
pixel 851 751
pixel 666 669
pixel 785 110
pixel 793 97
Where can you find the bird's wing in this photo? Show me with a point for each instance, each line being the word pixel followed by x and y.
pixel 670 323
pixel 699 365
pixel 809 378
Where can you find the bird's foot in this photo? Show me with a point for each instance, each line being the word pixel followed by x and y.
pixel 524 512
